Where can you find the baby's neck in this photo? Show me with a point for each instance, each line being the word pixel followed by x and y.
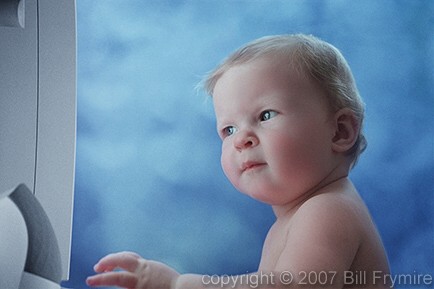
pixel 336 179
pixel 287 210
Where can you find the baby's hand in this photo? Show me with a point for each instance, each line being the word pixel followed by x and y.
pixel 137 273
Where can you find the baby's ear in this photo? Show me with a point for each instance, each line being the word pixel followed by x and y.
pixel 346 130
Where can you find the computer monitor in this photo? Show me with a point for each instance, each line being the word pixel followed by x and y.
pixel 38 107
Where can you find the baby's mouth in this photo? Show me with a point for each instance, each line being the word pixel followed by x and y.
pixel 251 165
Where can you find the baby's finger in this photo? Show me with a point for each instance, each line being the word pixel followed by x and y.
pixel 119 279
pixel 123 260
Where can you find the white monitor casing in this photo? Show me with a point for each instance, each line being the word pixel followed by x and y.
pixel 38 107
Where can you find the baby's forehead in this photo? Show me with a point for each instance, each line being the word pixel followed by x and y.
pixel 267 74
pixel 283 67
pixel 295 81
pixel 279 62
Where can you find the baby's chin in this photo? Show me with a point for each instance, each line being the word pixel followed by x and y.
pixel 267 197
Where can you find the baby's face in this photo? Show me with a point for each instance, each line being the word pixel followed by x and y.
pixel 276 131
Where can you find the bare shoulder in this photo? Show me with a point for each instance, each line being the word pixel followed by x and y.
pixel 327 230
pixel 333 208
pixel 332 231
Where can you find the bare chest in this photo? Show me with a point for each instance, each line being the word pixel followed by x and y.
pixel 273 246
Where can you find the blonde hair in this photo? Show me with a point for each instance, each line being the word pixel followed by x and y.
pixel 319 60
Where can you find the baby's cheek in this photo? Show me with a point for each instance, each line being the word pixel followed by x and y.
pixel 229 168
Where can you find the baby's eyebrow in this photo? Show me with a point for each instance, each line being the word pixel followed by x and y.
pixel 221 126
pixel 222 121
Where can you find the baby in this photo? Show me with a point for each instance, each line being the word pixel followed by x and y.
pixel 290 119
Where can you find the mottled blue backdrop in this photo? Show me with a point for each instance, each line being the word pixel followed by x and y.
pixel 148 176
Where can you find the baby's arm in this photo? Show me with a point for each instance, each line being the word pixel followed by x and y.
pixel 139 273
pixel 323 240
pixel 136 272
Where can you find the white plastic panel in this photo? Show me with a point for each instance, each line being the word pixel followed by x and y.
pixel 13 244
pixel 30 281
pixel 54 184
pixel 12 13
pixel 37 108
pixel 18 101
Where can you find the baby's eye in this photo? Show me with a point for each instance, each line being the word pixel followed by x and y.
pixel 229 130
pixel 267 114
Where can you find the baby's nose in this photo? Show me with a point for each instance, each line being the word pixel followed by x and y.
pixel 245 140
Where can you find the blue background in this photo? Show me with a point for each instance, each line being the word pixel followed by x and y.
pixel 148 176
